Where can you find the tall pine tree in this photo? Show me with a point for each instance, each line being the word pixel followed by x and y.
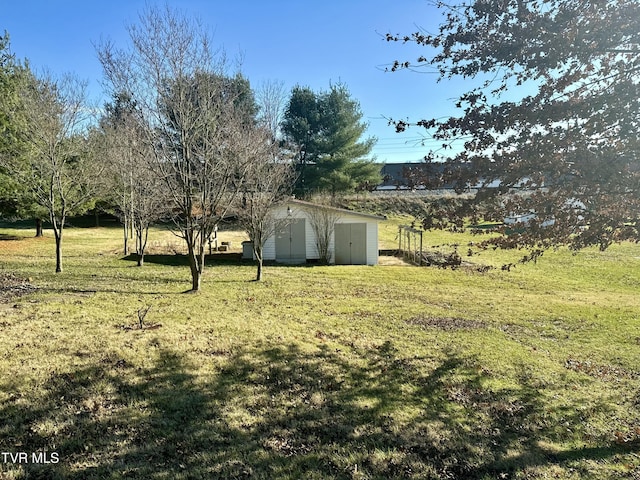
pixel 325 130
pixel 16 199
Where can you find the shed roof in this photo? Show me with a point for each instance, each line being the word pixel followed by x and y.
pixel 302 203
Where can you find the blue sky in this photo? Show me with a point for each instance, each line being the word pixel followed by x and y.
pixel 296 42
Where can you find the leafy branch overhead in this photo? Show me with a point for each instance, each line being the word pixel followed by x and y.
pixel 552 113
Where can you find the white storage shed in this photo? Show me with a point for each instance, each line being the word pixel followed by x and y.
pixel 353 236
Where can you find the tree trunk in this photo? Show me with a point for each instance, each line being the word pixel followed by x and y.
pixel 39 232
pixel 258 254
pixel 196 273
pixel 201 259
pixel 125 230
pixel 259 272
pixel 58 234
pixel 196 278
pixel 142 235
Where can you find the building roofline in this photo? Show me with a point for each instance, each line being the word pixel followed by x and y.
pixel 303 203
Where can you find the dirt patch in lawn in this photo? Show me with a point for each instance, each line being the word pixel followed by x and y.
pixel 12 286
pixel 445 323
pixel 601 371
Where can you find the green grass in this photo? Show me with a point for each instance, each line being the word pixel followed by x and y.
pixel 320 372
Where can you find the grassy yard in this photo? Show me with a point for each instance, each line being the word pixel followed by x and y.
pixel 318 372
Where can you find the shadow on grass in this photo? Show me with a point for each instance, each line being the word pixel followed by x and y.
pixel 9 238
pixel 216 259
pixel 279 412
pixel 90 283
pixel 85 221
pixel 20 224
pixel 176 260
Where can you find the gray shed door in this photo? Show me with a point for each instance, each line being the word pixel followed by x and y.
pixel 291 242
pixel 351 243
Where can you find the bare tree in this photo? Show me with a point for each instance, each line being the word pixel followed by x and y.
pixel 193 111
pixel 323 222
pixel 117 124
pixel 59 170
pixel 272 99
pixel 270 177
pixel 269 180
pixel 147 206
pixel 139 194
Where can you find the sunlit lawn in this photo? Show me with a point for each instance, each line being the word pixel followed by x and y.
pixel 319 372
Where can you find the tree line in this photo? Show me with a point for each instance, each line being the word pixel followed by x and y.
pixel 183 138
pixel 549 123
